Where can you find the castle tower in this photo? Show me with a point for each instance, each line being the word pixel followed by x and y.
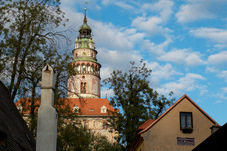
pixel 85 81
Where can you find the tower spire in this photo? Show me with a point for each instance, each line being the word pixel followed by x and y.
pixel 85 15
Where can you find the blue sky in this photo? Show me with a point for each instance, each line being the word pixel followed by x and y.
pixel 183 42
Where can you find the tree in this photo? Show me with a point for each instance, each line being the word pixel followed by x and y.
pixel 27 29
pixel 75 137
pixel 139 102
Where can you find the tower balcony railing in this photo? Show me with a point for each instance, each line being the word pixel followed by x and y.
pixel 88 72
pixel 86 57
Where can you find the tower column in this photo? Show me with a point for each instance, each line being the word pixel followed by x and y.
pixel 85 82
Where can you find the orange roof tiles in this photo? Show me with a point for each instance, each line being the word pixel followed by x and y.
pixel 88 106
pixel 145 125
pixel 95 104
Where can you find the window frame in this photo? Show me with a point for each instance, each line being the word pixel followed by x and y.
pixel 86 124
pixel 186 125
pixel 105 125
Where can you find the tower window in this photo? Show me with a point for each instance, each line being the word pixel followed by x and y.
pixel 83 87
pixel 83 68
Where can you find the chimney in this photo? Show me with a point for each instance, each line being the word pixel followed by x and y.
pixel 214 128
pixel 46 139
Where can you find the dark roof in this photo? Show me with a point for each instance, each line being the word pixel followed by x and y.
pixel 13 128
pixel 216 141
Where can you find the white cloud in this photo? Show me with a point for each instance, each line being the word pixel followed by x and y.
pixel 222 94
pixel 223 75
pixel 216 35
pixel 193 12
pixel 115 60
pixel 219 101
pixel 105 92
pixel 219 58
pixel 212 69
pixel 157 49
pixel 163 71
pixel 155 24
pixel 220 74
pixel 124 5
pixel 110 37
pixel 187 83
pixel 151 24
pixel 119 4
pixel 164 7
pixel 182 56
pixel 160 72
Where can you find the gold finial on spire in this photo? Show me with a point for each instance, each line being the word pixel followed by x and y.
pixel 85 17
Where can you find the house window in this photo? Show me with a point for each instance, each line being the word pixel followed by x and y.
pixel 85 124
pixel 186 122
pixel 76 109
pixel 103 109
pixel 105 126
pixel 95 124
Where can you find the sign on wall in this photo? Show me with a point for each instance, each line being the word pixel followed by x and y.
pixel 185 141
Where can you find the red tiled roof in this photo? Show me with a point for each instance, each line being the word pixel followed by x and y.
pixel 147 126
pixel 26 103
pixel 95 104
pixel 88 106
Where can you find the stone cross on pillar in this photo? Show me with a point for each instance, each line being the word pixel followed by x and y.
pixel 47 114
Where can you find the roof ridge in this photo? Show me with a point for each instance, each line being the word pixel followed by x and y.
pixel 171 107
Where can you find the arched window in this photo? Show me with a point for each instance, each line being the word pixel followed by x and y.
pixel 92 68
pixel 83 87
pixel 83 67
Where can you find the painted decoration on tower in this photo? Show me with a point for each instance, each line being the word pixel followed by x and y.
pixel 85 83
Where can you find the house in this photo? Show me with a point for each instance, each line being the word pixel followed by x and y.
pixel 216 141
pixel 93 113
pixel 180 128
pixel 14 134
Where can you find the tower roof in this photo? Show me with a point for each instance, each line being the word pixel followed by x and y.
pixel 85 26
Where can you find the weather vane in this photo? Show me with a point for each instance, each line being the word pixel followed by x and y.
pixel 85 6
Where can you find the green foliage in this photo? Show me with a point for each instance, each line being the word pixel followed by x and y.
pixel 27 30
pixel 74 137
pixel 139 102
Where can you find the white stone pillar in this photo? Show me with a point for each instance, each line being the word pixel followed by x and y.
pixel 46 139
